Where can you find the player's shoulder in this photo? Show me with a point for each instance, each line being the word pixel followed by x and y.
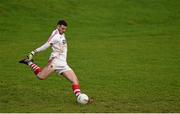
pixel 55 32
pixel 54 35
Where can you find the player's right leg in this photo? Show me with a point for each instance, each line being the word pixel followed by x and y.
pixel 71 76
pixel 40 73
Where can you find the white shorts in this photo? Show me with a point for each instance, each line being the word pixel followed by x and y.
pixel 60 66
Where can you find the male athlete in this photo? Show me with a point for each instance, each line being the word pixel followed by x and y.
pixel 57 61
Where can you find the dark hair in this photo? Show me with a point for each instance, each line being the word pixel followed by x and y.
pixel 62 22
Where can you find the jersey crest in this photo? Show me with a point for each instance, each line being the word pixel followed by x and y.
pixel 64 42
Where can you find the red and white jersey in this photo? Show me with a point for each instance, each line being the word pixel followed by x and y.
pixel 59 46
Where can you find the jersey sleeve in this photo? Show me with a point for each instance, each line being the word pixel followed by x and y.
pixel 42 48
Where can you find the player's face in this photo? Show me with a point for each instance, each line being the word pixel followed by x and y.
pixel 62 29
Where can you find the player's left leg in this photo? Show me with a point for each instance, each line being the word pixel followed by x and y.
pixel 40 73
pixel 71 76
pixel 46 71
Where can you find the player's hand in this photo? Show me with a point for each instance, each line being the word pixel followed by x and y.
pixel 30 55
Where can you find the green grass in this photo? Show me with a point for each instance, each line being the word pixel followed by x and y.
pixel 125 53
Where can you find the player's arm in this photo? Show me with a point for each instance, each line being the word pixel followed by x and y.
pixel 40 49
pixel 52 39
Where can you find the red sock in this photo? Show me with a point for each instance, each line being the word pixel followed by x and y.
pixel 76 89
pixel 35 68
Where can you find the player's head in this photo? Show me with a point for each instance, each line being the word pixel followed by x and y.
pixel 62 26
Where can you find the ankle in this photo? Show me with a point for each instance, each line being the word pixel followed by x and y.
pixel 30 63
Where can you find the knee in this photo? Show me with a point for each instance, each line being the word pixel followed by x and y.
pixel 41 77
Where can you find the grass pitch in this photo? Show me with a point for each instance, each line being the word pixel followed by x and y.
pixel 124 52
